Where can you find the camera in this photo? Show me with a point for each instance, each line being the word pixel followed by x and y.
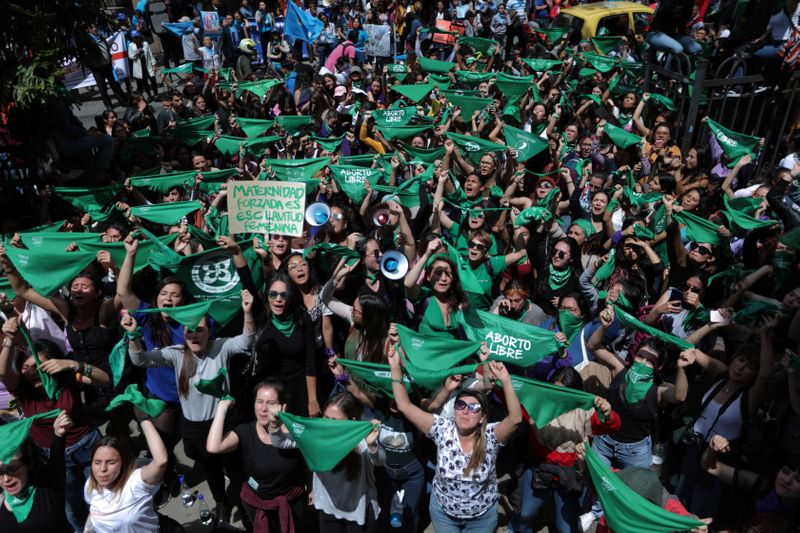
pixel 691 438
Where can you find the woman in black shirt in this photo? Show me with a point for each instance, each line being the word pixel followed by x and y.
pixel 276 477
pixel 23 478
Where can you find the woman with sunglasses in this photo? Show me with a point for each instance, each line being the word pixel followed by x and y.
pixel 636 395
pixel 199 358
pixel 286 346
pixel 440 303
pixel 473 219
pixel 486 268
pixel 33 492
pixel 277 249
pixel 557 273
pixel 465 496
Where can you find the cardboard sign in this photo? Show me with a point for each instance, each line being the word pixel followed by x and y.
pixel 267 207
pixel 447 38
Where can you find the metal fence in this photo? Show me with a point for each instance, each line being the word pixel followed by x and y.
pixel 754 104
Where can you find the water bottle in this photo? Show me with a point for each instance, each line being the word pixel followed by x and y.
pixel 206 518
pixel 396 509
pixel 187 497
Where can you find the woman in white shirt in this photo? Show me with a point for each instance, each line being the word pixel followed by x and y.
pixel 120 496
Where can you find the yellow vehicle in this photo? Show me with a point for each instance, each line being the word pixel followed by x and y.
pixel 604 18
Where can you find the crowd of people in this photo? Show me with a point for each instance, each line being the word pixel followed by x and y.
pixel 524 305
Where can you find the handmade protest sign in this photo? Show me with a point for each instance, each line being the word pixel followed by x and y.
pixel 267 207
pixel 379 41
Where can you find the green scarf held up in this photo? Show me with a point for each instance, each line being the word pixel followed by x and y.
pixel 13 434
pixel 90 200
pixel 554 34
pixel 544 402
pixel 48 270
pixel 782 267
pixel 325 442
pixel 532 214
pixel 742 220
pixel 216 386
pixel 509 341
pixel 699 229
pixel 22 502
pixel 188 315
pixel 557 278
pixel 663 101
pixel 284 324
pixel 791 238
pixel 586 226
pixel 432 379
pixel 350 180
pixel 49 383
pixel 621 301
pixel 696 318
pixel 329 144
pixel 374 376
pixel 253 127
pixel 133 396
pixel 570 324
pixel 292 124
pixel 350 255
pixel 735 145
pixel 415 92
pixel 435 66
pixel 391 133
pixel 620 137
pixel 167 214
pixel 607 268
pixel 629 321
pixel 626 510
pixel 474 147
pixel 394 117
pixel 638 380
pixel 434 351
pixel 525 144
pixel 754 309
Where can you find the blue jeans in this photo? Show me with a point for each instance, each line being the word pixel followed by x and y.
pixel 624 454
pixel 77 460
pixel 410 479
pixel 700 490
pixel 444 523
pixel 567 507
pixel 682 43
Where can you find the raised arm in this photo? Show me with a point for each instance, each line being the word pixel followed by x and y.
pixel 216 442
pixel 413 274
pixel 125 296
pixel 421 419
pixel 507 426
pixel 758 391
pixel 26 292
pixel 9 374
pixel 136 351
pixel 153 473
pixel 595 343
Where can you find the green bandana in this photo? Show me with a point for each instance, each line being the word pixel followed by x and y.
pixel 515 86
pixel 407 194
pixel 188 315
pixel 663 101
pixel 13 434
pixel 630 322
pixel 48 270
pixel 626 510
pixel 554 34
pixel 372 376
pixel 696 318
pixel 333 249
pixel 638 380
pixel 605 271
pixel 329 144
pixel 133 396
pixel 621 301
pixel 729 277
pixel 620 137
pixel 22 502
pixel 434 65
pixel 791 238
pixel 432 379
pixel 350 180
pixel 298 170
pixel 163 183
pixel 186 68
pixel 782 267
pixel 390 133
pixel 743 220
pixel 293 123
pixel 479 44
pixel 468 104
pixel 735 145
pixel 397 71
pixel 325 442
pixel 586 227
pixel 509 341
pixel 473 78
pixel 422 154
pixel 754 309
pixel 557 278
pixel 117 358
pixel 593 97
pixel 606 44
pixel 570 324
pixel 541 65
pixel 258 88
pixel 638 199
pixel 440 81
pixel 525 144
pixel 699 229
pixel 283 324
pixel 49 383
pixel 415 92
pixel 432 352
pixel 49 241
pixel 544 402
pixel 642 232
pixel 600 63
pixel 394 117
pixel 253 127
pixel 216 386
pixel 230 144
pixel 195 125
pixel 474 147
pixel 168 214
pixel 89 200
pixel 532 214
pixel 213 180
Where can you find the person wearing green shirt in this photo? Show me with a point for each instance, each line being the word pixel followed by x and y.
pixel 486 268
pixel 440 302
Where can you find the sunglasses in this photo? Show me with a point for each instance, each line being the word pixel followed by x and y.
pixel 376 254
pixel 561 254
pixel 701 249
pixel 274 295
pixel 545 185
pixel 439 272
pixel 474 408
pixel 337 216
pixel 10 469
pixel 692 288
pixel 279 238
pixel 478 246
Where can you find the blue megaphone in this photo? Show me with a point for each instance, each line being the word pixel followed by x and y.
pixel 318 214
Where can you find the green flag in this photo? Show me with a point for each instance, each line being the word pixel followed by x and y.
pixel 390 133
pixel 325 442
pixel 554 34
pixel 467 76
pixel 468 104
pixel 735 145
pixel 213 180
pixel 509 341
pixel 600 63
pixel 515 85
pixel 620 137
pixel 434 351
pixel 13 434
pixel 743 220
pixel 163 183
pixel 626 510
pixel 117 249
pixel 606 44
pixel 435 66
pixel 663 101
pixel 474 147
pixel 432 379
pixel 333 249
pixel 89 200
pixel 216 386
pixel 294 123
pixel 259 88
pixel 57 240
pixel 415 92
pixel 133 396
pixel 188 315
pixel 544 402
pixel 628 321
pixel 185 68
pixel 253 127
pixel 441 81
pixel 479 44
pixel 541 65
pixel 329 144
pixel 169 214
pixel 49 383
pixel 525 144
pixel 48 270
pixel 428 155
pixel 699 229
pixel 398 71
pixel 229 144
pixel 350 180
pixel 372 376
pixel 400 116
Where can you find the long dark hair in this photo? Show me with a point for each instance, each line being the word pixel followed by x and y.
pixel 376 317
pixel 293 304
pixel 351 408
pixel 160 332
pixel 456 297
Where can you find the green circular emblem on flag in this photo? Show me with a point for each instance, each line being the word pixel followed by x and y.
pixel 215 274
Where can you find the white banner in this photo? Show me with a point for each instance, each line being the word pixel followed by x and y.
pixel 76 76
pixel 379 41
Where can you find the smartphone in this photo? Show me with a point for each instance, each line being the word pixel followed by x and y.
pixel 717 318
pixel 675 294
pixel 279 145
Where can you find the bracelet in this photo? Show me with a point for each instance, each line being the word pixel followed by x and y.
pixel 343 378
pixel 8 344
pixel 330 352
pixel 89 369
pixel 400 381
pixel 81 367
pixel 132 335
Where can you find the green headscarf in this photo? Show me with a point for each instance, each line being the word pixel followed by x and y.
pixel 586 226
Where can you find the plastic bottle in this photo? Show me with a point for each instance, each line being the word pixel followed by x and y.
pixel 206 518
pixel 187 497
pixel 396 509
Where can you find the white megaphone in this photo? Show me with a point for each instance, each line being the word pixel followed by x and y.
pixel 394 265
pixel 380 217
pixel 318 213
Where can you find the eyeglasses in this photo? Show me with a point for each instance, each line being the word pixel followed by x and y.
pixel 475 407
pixel 701 249
pixel 545 185
pixel 376 254
pixel 279 238
pixel 571 309
pixel 274 295
pixel 478 246
pixel 10 469
pixel 795 476
pixel 439 272
pixel 337 216
pixel 561 254
pixel 297 265
pixel 692 288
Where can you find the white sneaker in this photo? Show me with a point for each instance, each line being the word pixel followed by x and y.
pixel 587 519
